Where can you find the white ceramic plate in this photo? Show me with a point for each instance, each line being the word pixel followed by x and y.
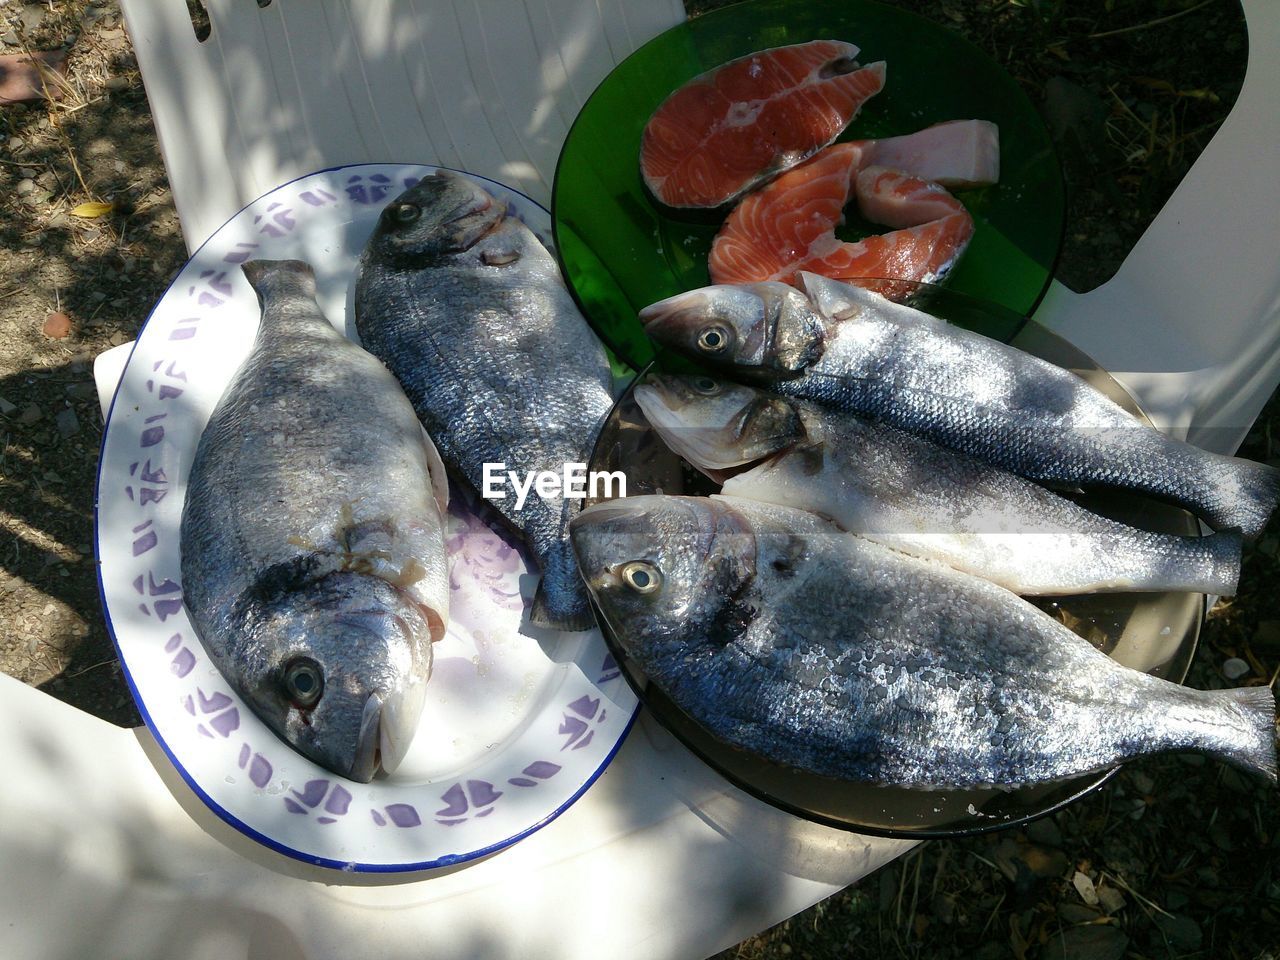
pixel 518 722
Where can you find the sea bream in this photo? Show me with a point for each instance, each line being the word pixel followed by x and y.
pixel 313 557
pixel 913 495
pixel 825 652
pixel 851 349
pixel 468 309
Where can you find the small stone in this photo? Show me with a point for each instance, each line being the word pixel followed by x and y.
pixel 51 477
pixel 1084 886
pixel 24 187
pixel 97 296
pixel 116 84
pixel 118 338
pixel 6 407
pixel 31 413
pixel 1045 831
pixel 57 325
pixel 28 173
pixel 1096 941
pixel 1110 899
pixel 1234 668
pixel 1182 933
pixel 84 390
pixel 67 423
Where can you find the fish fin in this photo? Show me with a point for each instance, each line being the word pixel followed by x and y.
pixel 1255 751
pixel 436 469
pixel 561 600
pixel 541 615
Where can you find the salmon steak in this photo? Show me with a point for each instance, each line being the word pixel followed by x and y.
pixel 789 225
pixel 737 126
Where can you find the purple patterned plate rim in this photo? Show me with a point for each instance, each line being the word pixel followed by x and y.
pixel 459 799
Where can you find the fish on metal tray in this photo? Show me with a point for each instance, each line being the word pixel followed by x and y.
pixel 313 557
pixel 853 350
pixel 467 308
pixel 913 495
pixel 825 652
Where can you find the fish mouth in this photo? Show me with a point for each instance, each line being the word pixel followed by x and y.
pixel 675 314
pixel 387 726
pixel 701 444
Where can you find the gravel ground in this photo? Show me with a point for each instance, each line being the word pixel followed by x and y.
pixel 1178 860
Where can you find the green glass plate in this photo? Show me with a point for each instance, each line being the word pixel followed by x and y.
pixel 622 252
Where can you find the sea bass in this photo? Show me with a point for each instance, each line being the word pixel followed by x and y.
pixel 826 652
pixel 313 556
pixel 468 310
pixel 930 501
pixel 853 350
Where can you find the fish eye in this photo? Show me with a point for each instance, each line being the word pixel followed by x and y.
pixel 303 682
pixel 406 212
pixel 714 339
pixel 641 577
pixel 706 386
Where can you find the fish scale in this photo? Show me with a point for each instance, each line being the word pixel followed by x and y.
pixel 864 664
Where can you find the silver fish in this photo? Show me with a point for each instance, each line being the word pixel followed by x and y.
pixel 828 653
pixel 468 310
pixel 915 496
pixel 853 350
pixel 313 557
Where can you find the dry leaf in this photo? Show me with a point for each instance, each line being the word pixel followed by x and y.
pixel 92 210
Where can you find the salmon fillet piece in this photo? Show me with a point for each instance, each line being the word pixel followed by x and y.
pixel 734 127
pixel 789 225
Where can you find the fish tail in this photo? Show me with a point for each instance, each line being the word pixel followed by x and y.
pixel 1246 494
pixel 275 279
pixel 1246 737
pixel 561 601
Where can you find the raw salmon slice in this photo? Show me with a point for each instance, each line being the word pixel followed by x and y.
pixel 789 225
pixel 734 127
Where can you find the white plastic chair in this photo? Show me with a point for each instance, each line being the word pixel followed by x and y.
pixel 1190 324
pixel 106 851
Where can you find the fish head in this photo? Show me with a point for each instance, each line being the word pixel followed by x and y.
pixel 668 574
pixel 766 331
pixel 717 425
pixel 339 671
pixel 441 214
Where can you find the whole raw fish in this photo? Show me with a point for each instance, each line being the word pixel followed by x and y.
pixel 832 654
pixel 913 495
pixel 853 350
pixel 313 557
pixel 468 310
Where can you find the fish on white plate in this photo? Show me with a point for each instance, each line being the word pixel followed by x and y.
pixel 313 554
pixel 467 308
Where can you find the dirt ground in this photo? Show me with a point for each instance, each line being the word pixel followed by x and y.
pixel 1179 859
